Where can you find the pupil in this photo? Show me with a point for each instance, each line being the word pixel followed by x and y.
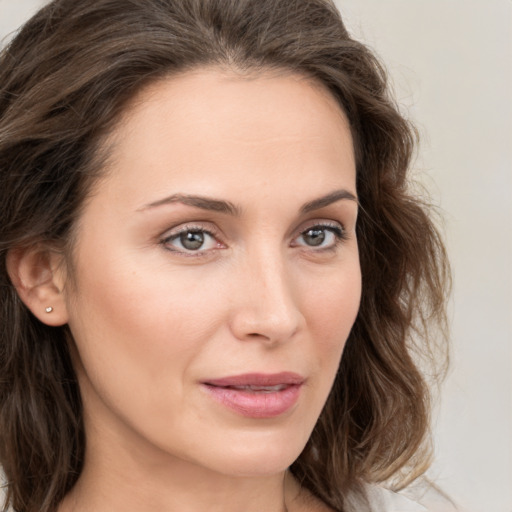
pixel 314 236
pixel 192 240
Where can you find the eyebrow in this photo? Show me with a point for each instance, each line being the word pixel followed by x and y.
pixel 324 201
pixel 205 203
pixel 217 205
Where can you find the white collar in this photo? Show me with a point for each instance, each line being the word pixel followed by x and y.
pixel 384 500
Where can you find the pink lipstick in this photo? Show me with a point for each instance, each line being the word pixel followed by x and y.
pixel 257 395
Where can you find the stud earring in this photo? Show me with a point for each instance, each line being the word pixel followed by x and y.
pixel 49 309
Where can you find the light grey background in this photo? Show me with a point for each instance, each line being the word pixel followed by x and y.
pixel 450 62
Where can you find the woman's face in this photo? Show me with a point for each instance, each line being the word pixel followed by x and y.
pixel 216 273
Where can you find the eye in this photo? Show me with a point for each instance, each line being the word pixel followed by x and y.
pixel 321 236
pixel 189 240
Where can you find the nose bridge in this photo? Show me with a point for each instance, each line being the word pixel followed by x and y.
pixel 267 305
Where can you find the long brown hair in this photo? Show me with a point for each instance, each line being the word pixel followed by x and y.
pixel 64 81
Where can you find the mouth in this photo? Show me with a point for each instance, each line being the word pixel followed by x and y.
pixel 257 395
pixel 258 389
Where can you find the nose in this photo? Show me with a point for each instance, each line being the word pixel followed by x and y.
pixel 265 304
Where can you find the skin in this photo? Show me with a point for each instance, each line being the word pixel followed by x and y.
pixel 151 320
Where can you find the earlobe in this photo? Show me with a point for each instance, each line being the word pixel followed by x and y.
pixel 37 275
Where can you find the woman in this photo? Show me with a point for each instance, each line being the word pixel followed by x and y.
pixel 212 267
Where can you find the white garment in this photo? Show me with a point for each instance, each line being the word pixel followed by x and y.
pixel 384 500
pixel 417 498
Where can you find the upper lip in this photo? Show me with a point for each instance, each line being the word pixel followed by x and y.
pixel 258 379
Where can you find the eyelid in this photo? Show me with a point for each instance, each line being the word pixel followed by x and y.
pixel 335 227
pixel 175 232
pixel 321 223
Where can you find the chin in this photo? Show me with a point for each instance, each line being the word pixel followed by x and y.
pixel 271 462
pixel 258 454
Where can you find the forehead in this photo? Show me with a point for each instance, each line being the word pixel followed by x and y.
pixel 198 86
pixel 219 125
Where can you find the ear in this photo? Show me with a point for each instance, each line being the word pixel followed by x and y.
pixel 38 276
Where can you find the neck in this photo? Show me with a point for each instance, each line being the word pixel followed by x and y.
pixel 184 491
pixel 120 478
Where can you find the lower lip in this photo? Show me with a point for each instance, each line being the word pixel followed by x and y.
pixel 256 404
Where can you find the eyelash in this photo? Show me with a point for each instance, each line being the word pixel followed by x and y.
pixel 193 228
pixel 337 229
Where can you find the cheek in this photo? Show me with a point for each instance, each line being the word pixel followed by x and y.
pixel 137 328
pixel 333 306
pixel 143 315
pixel 139 335
pixel 332 310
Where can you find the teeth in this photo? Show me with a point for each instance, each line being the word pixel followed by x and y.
pixel 261 389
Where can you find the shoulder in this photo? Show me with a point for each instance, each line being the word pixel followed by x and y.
pixel 420 497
